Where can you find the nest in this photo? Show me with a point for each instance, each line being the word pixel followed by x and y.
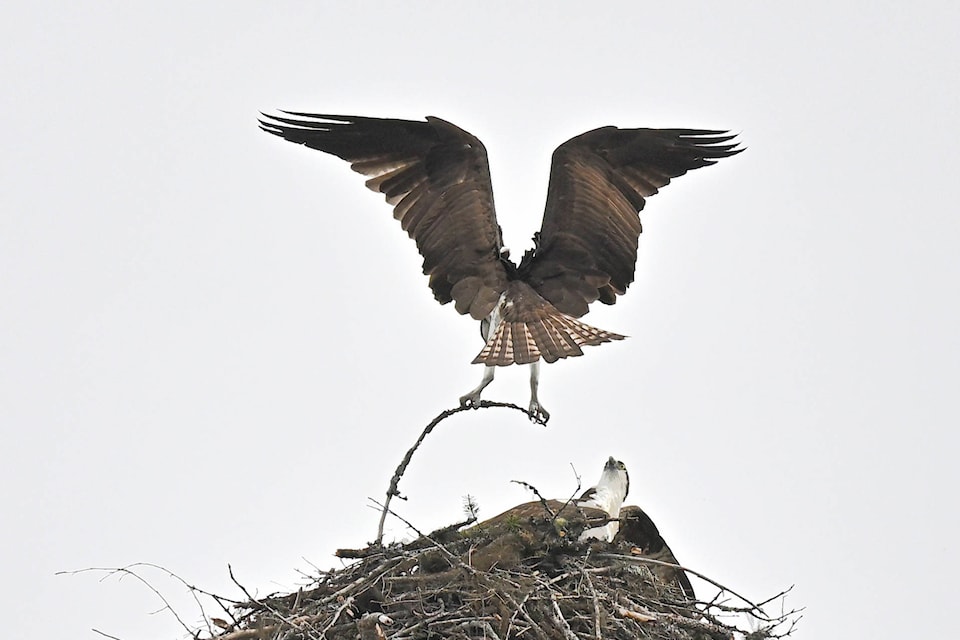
pixel 515 576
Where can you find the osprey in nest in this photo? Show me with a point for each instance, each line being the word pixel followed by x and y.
pixel 598 515
pixel 607 495
pixel 436 176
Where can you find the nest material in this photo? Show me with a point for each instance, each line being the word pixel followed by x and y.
pixel 523 576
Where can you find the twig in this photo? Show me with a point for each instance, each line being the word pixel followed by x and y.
pixel 596 605
pixel 543 501
pixel 483 578
pixel 483 625
pixel 193 592
pixel 357 554
pixel 696 625
pixel 265 631
pixel 617 556
pixel 320 572
pixel 129 572
pixel 450 528
pixel 518 609
pixel 560 620
pixel 242 588
pixel 347 602
pixel 455 559
pixel 573 495
pixel 776 597
pixel 282 618
pixel 246 634
pixel 575 474
pixel 643 615
pixel 220 601
pixel 395 480
pixel 636 615
pixel 389 565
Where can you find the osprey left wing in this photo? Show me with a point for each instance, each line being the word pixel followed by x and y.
pixel 437 178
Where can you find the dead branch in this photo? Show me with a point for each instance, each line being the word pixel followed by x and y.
pixel 561 622
pixel 581 595
pixel 356 554
pixel 451 556
pixel 596 604
pixel 573 496
pixel 684 569
pixel 129 571
pixel 635 615
pixel 347 603
pixel 401 469
pixel 543 501
pixel 538 586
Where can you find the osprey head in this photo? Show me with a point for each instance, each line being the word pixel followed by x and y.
pixel 612 489
pixel 615 477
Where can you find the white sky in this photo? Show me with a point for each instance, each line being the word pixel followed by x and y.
pixel 215 345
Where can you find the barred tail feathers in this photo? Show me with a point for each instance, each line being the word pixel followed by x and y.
pixel 551 336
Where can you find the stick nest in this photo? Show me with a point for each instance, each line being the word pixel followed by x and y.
pixel 500 580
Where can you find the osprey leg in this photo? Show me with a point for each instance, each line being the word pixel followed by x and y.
pixel 472 399
pixel 541 414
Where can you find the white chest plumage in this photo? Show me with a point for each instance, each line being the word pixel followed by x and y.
pixel 608 495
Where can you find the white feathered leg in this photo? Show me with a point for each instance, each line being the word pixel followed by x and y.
pixel 472 399
pixel 541 414
pixel 487 326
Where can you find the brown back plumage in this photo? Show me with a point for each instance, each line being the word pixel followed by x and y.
pixel 638 536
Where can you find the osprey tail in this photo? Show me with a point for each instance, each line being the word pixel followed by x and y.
pixel 525 327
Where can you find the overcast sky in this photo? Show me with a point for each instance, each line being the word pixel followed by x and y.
pixel 216 345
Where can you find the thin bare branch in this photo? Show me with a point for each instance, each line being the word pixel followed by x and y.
pixel 452 557
pixel 401 469
pixel 576 492
pixel 543 501
pixel 127 571
pixel 562 624
pixel 596 605
pixel 347 603
pixel 621 557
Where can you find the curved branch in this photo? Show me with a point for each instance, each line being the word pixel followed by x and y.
pixel 661 563
pixel 129 571
pixel 395 480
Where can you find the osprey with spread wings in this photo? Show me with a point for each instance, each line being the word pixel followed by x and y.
pixel 437 178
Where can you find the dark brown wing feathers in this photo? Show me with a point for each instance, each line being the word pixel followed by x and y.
pixel 437 178
pixel 640 532
pixel 598 184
